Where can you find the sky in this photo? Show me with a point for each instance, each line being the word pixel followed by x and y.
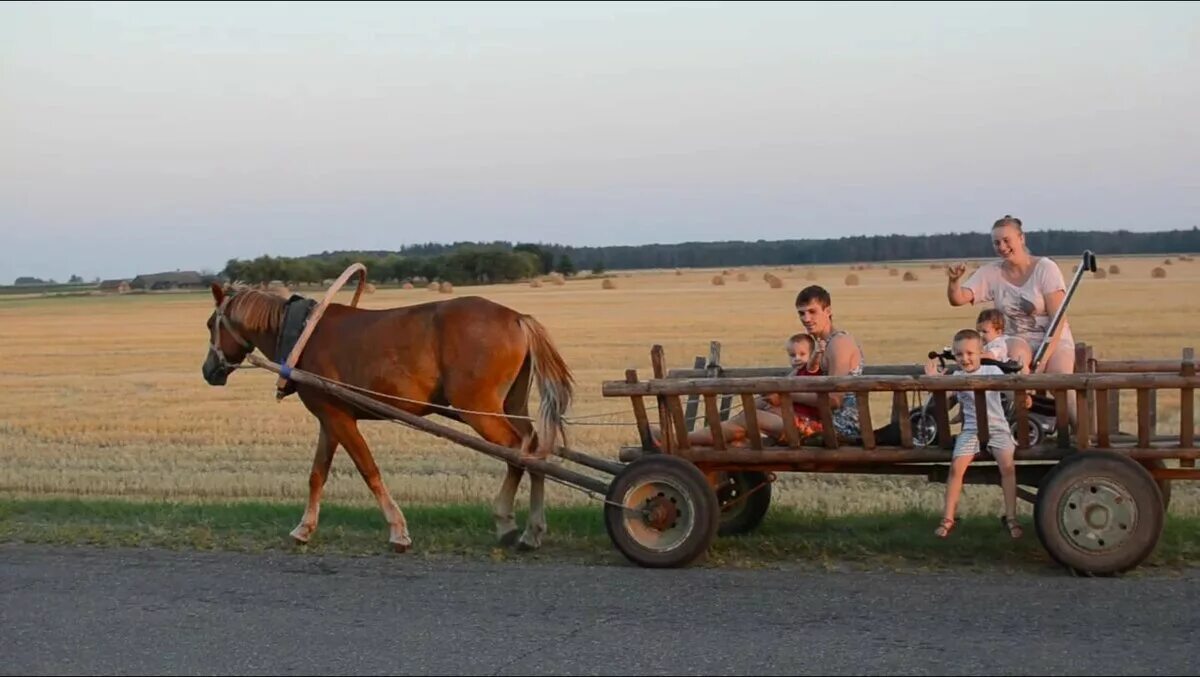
pixel 142 137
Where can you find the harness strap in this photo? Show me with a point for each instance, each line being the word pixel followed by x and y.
pixel 314 317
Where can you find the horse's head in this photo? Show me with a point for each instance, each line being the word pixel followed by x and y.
pixel 227 348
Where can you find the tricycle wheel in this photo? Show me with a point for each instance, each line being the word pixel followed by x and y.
pixel 661 512
pixel 744 498
pixel 1098 513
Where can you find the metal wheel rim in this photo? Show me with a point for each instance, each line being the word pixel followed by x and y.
pixel 924 430
pixel 729 491
pixel 1097 515
pixel 641 497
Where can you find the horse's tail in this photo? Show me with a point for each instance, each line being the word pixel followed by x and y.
pixel 555 383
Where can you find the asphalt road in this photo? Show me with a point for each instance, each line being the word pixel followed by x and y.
pixel 102 611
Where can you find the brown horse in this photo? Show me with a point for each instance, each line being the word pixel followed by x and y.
pixel 469 353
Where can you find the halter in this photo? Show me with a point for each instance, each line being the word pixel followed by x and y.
pixel 215 346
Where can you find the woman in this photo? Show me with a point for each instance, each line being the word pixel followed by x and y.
pixel 1027 289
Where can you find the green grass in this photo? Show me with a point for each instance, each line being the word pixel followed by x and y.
pixel 891 541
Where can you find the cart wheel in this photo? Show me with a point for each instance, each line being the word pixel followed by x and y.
pixel 1164 486
pixel 924 428
pixel 661 512
pixel 741 514
pixel 1098 513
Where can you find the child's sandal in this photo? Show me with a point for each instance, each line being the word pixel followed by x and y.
pixel 1014 527
pixel 944 528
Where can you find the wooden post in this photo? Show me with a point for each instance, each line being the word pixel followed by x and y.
pixel 1103 425
pixel 751 416
pixel 693 401
pixel 1152 394
pixel 1022 413
pixel 1187 408
pixel 657 362
pixel 681 428
pixel 865 426
pixel 713 416
pixel 714 370
pixel 1114 411
pixel 788 414
pixel 826 409
pixel 639 413
pixel 981 419
pixel 900 407
pixel 941 413
pixel 1143 417
pixel 1063 419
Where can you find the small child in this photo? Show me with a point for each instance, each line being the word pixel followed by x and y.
pixel 968 351
pixel 801 350
pixel 997 345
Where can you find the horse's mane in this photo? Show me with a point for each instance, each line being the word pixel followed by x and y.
pixel 254 310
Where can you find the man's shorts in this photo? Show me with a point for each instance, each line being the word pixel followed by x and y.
pixel 999 439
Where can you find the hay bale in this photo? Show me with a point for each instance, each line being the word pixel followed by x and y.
pixel 446 288
pixel 810 275
pixel 1158 273
pixel 742 277
pixel 556 279
pixel 1114 269
pixel 775 283
pixel 608 284
pixel 407 285
pixel 893 272
pixel 910 276
pixel 1166 262
pixel 718 280
pixel 433 286
pixel 535 284
pixel 369 288
pixel 1100 274
pixel 851 280
pixel 678 271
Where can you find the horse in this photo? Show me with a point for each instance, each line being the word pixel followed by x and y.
pixel 469 353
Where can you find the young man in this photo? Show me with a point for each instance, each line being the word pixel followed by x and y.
pixel 841 356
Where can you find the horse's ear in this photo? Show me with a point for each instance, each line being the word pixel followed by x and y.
pixel 218 293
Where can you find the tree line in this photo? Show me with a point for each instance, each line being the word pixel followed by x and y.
pixel 465 263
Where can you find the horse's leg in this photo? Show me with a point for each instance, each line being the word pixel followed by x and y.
pixel 497 429
pixel 502 506
pixel 326 446
pixel 346 430
pixel 516 404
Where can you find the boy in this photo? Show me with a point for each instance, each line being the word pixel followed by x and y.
pixel 968 351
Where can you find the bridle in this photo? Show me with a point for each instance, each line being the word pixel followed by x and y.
pixel 215 347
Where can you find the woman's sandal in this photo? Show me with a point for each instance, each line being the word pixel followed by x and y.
pixel 944 528
pixel 1013 526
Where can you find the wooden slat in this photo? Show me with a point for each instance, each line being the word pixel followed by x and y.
pixel 1153 397
pixel 1114 412
pixel 714 421
pixel 1022 415
pixel 657 362
pixel 1063 419
pixel 639 413
pixel 1102 422
pixel 751 416
pixel 1187 403
pixel 843 384
pixel 693 401
pixel 900 404
pixel 1085 362
pixel 981 419
pixel 1143 417
pixel 866 428
pixel 681 428
pixel 788 414
pixel 1083 434
pixel 826 409
pixel 941 413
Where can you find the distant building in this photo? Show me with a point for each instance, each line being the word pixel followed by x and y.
pixel 186 279
pixel 115 286
pixel 28 281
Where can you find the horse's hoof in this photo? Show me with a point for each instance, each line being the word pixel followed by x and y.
pixel 510 538
pixel 522 546
pixel 401 548
pixel 297 539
